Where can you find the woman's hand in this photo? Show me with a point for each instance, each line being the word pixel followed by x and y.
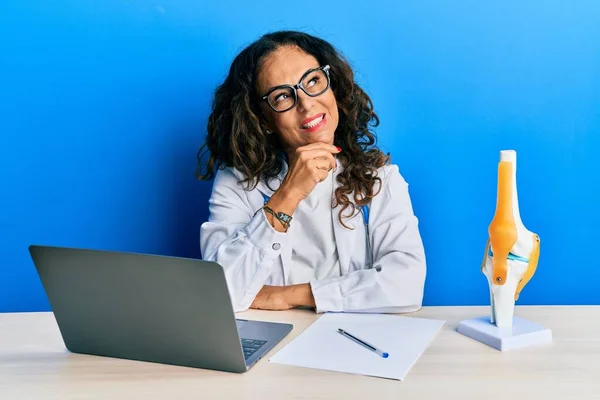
pixel 283 297
pixel 309 166
pixel 271 298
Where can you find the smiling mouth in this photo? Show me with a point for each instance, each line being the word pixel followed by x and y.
pixel 313 123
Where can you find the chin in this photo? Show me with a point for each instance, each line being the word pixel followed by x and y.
pixel 324 137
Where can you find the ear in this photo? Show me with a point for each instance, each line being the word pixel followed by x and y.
pixel 266 127
pixel 266 122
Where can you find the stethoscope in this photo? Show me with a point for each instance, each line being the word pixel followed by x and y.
pixel 365 215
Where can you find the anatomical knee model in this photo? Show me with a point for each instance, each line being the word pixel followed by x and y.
pixel 512 251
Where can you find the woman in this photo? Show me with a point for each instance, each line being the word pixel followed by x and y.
pixel 297 173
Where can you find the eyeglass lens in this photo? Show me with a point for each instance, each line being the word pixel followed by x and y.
pixel 314 84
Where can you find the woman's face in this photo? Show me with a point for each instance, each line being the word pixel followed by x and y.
pixel 312 119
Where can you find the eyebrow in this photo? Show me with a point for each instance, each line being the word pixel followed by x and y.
pixel 289 84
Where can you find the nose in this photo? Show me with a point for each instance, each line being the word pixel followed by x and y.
pixel 305 102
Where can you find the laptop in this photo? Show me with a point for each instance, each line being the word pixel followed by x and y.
pixel 150 308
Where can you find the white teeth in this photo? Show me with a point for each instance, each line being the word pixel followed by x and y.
pixel 313 123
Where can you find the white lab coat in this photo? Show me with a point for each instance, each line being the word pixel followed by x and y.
pixel 254 254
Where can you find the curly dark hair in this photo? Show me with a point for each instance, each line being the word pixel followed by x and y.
pixel 237 127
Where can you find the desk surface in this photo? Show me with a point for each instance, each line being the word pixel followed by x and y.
pixel 35 364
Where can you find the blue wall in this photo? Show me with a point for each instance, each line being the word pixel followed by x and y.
pixel 103 106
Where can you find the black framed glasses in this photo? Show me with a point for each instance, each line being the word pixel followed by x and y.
pixel 314 83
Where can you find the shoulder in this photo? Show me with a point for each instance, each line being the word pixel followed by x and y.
pixel 393 197
pixel 388 170
pixel 227 182
pixel 232 174
pixel 390 179
pixel 227 173
pixel 229 176
pixel 231 182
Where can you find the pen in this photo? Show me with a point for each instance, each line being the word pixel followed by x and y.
pixel 363 343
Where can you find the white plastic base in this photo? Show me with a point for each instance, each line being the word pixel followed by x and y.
pixel 523 333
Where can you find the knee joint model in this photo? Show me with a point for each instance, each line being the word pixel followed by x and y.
pixel 512 251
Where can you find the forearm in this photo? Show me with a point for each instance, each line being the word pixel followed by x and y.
pixel 396 288
pixel 300 295
pixel 246 253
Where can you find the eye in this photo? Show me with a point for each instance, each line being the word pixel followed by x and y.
pixel 313 81
pixel 281 97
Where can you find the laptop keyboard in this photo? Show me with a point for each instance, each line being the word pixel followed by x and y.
pixel 250 346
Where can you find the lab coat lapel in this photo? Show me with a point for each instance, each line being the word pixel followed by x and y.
pixel 344 237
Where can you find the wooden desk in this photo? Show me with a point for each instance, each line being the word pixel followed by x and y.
pixel 35 364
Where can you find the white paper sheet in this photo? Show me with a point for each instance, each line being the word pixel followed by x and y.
pixel 320 346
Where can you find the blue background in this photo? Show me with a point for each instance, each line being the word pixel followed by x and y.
pixel 103 106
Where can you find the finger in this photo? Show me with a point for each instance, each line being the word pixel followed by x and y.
pixel 320 164
pixel 321 171
pixel 257 305
pixel 330 159
pixel 322 174
pixel 305 156
pixel 319 146
pixel 319 152
pixel 320 155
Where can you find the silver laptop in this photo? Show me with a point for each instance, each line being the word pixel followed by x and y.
pixel 150 308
